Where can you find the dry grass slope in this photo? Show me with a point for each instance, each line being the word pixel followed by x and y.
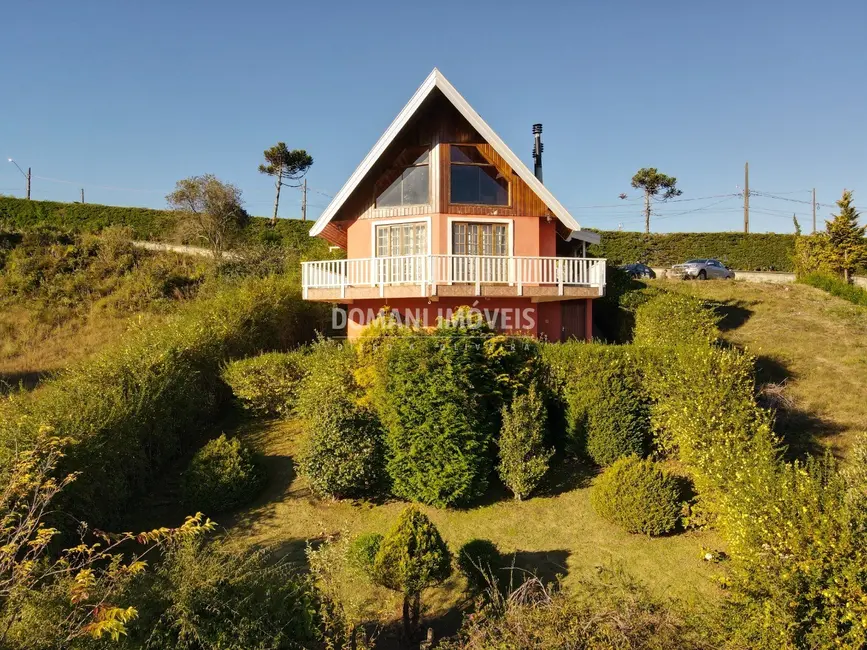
pixel 812 341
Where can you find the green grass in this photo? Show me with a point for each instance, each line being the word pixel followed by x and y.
pixel 812 342
pixel 837 287
pixel 554 533
pixel 557 533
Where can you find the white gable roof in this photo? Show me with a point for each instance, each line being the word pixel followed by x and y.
pixel 436 80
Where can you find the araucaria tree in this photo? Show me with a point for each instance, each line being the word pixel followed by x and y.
pixel 655 186
pixel 523 456
pixel 411 558
pixel 846 246
pixel 212 211
pixel 286 166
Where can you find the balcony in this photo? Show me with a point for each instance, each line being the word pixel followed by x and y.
pixel 432 276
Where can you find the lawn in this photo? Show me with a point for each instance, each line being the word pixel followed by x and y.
pixel 814 342
pixel 554 533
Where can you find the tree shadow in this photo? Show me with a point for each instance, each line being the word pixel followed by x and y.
pixel 548 566
pixel 11 382
pixel 565 475
pixel 800 431
pixel 732 313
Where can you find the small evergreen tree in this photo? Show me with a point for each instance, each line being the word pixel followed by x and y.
pixel 846 246
pixel 411 558
pixel 523 456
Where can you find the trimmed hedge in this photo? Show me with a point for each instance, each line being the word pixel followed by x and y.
pixel 267 384
pixel 638 495
pixel 139 404
pixel 344 452
pixel 607 410
pixel 672 318
pixel 222 475
pixel 740 251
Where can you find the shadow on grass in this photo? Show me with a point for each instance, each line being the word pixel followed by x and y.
pixel 800 431
pixel 11 382
pixel 732 313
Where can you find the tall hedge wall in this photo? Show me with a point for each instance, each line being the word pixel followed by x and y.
pixel 740 251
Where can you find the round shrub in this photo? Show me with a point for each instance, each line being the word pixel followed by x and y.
pixel 344 457
pixel 362 552
pixel 267 384
pixel 479 561
pixel 674 318
pixel 222 475
pixel 638 495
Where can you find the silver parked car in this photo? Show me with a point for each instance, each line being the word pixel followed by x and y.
pixel 703 270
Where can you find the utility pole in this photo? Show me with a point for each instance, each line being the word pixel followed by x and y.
pixel 746 197
pixel 82 195
pixel 814 210
pixel 304 201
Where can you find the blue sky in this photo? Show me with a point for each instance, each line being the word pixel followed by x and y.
pixel 124 99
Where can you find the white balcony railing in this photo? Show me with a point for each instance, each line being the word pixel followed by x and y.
pixel 430 271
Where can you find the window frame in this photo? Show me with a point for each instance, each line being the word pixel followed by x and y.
pixel 479 221
pixel 374 234
pixel 378 189
pixel 507 204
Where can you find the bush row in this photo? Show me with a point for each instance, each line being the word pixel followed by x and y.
pixel 795 531
pixel 137 405
pixel 746 252
pixel 836 287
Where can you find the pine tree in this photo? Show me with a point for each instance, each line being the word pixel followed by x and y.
pixel 846 244
pixel 411 558
pixel 523 456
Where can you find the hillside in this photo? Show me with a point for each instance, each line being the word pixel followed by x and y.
pixel 805 339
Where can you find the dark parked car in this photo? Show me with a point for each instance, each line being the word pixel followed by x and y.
pixel 638 271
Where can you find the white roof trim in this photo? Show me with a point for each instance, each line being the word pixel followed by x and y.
pixel 436 80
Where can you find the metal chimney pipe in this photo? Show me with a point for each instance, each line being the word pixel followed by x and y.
pixel 538 147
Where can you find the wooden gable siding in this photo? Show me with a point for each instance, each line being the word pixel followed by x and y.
pixel 454 129
pixel 438 122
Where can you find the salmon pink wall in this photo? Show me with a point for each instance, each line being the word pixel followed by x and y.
pixel 531 236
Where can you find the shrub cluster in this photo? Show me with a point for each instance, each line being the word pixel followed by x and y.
pixel 607 410
pixel 362 552
pixel 794 531
pixel 638 495
pixel 137 405
pixel 344 454
pixel 608 612
pixel 267 384
pixel 222 475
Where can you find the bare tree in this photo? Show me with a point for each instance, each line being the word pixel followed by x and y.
pixel 212 211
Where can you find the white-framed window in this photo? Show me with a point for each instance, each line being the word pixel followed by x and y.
pixel 401 239
pixel 482 238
